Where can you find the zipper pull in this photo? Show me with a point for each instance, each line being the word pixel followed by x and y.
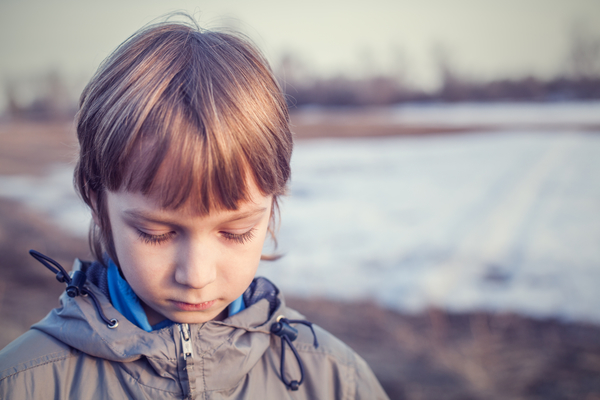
pixel 186 342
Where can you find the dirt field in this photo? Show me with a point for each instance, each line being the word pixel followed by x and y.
pixel 434 355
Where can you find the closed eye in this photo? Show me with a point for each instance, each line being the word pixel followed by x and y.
pixel 155 239
pixel 239 238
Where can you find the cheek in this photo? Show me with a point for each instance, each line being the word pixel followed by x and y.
pixel 251 257
pixel 127 244
pixel 239 263
pixel 138 261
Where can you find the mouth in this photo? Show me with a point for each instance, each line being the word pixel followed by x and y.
pixel 193 306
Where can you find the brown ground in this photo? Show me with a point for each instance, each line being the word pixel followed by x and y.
pixel 28 148
pixel 434 355
pixel 354 123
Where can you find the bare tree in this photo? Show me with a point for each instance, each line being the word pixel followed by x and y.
pixel 44 96
pixel 453 86
pixel 584 53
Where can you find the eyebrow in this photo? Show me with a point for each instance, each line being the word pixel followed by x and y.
pixel 150 217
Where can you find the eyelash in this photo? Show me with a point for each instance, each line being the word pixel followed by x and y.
pixel 155 239
pixel 158 239
pixel 239 238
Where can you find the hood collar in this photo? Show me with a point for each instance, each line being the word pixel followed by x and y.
pixel 237 343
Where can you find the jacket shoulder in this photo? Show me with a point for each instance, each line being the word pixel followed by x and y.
pixel 347 374
pixel 31 350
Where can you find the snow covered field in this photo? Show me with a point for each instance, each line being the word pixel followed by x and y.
pixel 500 221
pixel 508 115
pixel 508 220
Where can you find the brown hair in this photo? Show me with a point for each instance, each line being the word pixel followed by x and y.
pixel 184 115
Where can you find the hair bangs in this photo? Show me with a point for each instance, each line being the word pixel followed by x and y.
pixel 177 163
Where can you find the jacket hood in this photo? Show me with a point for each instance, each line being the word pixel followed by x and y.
pixel 234 345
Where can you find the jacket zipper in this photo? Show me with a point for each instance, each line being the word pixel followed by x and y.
pixel 188 357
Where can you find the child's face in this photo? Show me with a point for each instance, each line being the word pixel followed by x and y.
pixel 182 266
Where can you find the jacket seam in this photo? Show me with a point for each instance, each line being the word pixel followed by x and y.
pixel 66 356
pixel 61 358
pixel 160 359
pixel 351 388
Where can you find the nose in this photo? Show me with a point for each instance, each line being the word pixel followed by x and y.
pixel 196 265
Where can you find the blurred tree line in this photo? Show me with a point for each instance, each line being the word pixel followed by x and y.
pixel 49 96
pixel 579 81
pixel 44 97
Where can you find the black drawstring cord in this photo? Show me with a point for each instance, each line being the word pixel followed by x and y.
pixel 288 334
pixel 75 284
pixel 111 323
pixel 61 273
pixel 307 323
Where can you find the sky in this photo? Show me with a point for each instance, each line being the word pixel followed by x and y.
pixel 481 38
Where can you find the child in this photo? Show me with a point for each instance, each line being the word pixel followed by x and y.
pixel 184 150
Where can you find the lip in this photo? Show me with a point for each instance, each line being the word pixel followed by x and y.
pixel 193 306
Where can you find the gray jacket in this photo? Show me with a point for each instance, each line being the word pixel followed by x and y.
pixel 73 354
